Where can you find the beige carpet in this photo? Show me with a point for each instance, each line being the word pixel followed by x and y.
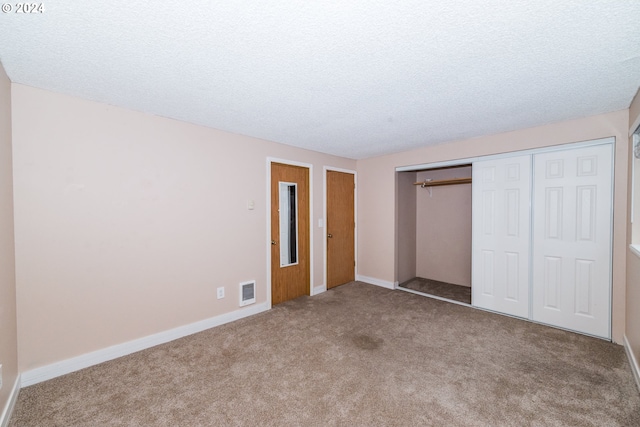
pixel 358 355
pixel 440 289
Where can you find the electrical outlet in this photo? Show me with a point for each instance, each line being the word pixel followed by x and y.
pixel 220 292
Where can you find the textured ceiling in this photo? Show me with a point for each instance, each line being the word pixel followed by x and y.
pixel 355 78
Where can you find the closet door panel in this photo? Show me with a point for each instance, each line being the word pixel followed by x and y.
pixel 500 276
pixel 572 239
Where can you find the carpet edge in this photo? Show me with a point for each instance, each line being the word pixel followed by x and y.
pixel 377 282
pixel 73 364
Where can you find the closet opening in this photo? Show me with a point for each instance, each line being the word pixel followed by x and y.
pixel 434 232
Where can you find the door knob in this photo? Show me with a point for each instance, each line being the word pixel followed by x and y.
pixel 273 242
pixel 329 235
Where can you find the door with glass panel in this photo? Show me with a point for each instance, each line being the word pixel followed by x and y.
pixel 290 276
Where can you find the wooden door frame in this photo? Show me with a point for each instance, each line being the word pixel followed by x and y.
pixel 309 166
pixel 326 169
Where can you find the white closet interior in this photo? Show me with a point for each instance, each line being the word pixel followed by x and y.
pixel 540 241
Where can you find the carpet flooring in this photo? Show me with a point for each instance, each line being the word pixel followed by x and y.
pixel 357 355
pixel 440 289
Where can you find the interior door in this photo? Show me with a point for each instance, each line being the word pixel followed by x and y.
pixel 340 228
pixel 572 239
pixel 290 268
pixel 501 192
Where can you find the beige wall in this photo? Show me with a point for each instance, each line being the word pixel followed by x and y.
pixel 632 331
pixel 126 223
pixel 443 246
pixel 634 122
pixel 406 224
pixel 634 113
pixel 376 177
pixel 8 337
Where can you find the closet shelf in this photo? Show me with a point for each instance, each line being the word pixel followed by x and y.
pixel 452 181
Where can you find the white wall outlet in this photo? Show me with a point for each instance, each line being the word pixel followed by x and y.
pixel 220 292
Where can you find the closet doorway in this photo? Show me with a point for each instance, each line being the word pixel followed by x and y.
pixel 434 232
pixel 536 241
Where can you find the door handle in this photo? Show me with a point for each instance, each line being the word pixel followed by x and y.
pixel 273 242
pixel 329 235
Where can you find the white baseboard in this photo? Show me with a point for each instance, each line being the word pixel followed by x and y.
pixel 319 289
pixel 632 361
pixel 374 281
pixel 48 372
pixel 8 407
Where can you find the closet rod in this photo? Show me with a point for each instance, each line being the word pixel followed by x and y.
pixel 452 181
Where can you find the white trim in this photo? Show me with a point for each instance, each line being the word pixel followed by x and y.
pixel 374 281
pixel 635 249
pixel 67 366
pixel 434 296
pixel 324 227
pixel 633 184
pixel 268 228
pixel 319 289
pixel 325 169
pixel 423 166
pixel 635 368
pixel 343 170
pixel 454 162
pixel 612 233
pixel 309 166
pixel 11 403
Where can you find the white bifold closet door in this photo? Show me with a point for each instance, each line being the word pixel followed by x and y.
pixel 501 195
pixel 572 239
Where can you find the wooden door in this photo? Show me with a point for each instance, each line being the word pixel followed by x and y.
pixel 340 228
pixel 572 239
pixel 290 277
pixel 501 192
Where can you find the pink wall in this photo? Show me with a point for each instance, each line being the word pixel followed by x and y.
pixel 376 177
pixel 634 113
pixel 632 331
pixel 407 234
pixel 443 246
pixel 8 337
pixel 126 223
pixel 634 123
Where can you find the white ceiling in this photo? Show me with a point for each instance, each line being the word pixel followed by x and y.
pixel 354 78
